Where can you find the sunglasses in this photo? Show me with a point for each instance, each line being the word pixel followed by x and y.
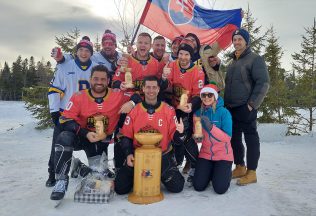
pixel 209 95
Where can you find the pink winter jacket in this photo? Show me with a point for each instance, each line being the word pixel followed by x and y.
pixel 216 145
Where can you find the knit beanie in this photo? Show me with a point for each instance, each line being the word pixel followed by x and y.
pixel 85 42
pixel 186 45
pixel 109 35
pixel 243 33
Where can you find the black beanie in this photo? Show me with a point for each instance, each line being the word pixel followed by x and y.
pixel 186 45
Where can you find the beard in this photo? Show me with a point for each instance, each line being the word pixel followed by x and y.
pixel 97 88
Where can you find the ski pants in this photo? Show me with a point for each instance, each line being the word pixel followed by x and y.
pixel 219 172
pixel 171 178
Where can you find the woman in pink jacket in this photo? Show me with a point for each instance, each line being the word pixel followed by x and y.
pixel 216 156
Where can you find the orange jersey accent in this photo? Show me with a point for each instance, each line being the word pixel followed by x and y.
pixel 82 107
pixel 162 121
pixel 140 69
pixel 191 80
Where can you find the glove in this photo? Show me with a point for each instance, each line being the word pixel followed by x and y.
pixel 207 123
pixel 55 117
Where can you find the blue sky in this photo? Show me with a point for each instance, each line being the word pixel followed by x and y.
pixel 28 28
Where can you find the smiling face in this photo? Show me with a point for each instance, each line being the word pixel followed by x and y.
pixel 151 90
pixel 159 47
pixel 208 98
pixel 143 46
pixel 184 59
pixel 83 54
pixel 239 43
pixel 99 83
pixel 108 47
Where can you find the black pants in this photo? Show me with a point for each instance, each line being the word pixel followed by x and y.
pixel 170 176
pixel 245 121
pixel 219 172
pixel 181 150
pixel 56 132
pixel 66 143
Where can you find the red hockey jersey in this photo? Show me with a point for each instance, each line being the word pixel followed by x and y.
pixel 140 69
pixel 191 80
pixel 161 121
pixel 82 108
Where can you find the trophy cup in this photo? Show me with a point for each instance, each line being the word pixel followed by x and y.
pixel 147 170
pixel 99 127
pixel 198 134
pixel 128 78
pixel 184 98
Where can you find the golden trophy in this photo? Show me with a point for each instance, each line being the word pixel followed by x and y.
pixel 99 127
pixel 147 170
pixel 184 98
pixel 198 134
pixel 128 78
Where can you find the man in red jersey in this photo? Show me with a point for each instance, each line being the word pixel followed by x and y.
pixel 79 128
pixel 141 63
pixel 182 76
pixel 151 115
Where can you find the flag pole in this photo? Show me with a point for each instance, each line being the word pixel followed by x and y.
pixel 142 18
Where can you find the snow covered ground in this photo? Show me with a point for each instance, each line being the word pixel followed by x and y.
pixel 286 178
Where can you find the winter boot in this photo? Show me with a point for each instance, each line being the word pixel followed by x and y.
pixel 239 171
pixel 78 168
pixel 59 189
pixel 51 181
pixel 186 167
pixel 249 178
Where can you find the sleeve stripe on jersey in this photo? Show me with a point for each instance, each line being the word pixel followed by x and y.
pixel 53 90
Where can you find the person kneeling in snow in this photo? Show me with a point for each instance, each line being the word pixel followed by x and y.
pixel 79 126
pixel 215 159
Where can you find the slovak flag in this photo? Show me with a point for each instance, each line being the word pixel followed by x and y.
pixel 172 18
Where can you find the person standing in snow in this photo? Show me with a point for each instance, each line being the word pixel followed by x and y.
pixel 247 83
pixel 215 159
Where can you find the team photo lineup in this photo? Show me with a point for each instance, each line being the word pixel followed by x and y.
pixel 199 112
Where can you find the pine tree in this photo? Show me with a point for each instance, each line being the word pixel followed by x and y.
pixel 305 66
pixel 17 79
pixel 5 83
pixel 97 44
pixel 69 41
pixel 276 104
pixel 256 38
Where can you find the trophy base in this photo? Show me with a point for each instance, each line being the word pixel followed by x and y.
pixel 136 199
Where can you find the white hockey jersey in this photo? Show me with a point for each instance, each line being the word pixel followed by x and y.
pixel 68 79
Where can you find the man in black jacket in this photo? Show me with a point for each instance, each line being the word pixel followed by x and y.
pixel 247 83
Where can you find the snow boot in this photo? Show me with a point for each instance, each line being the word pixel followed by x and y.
pixel 249 178
pixel 51 181
pixel 59 189
pixel 78 168
pixel 239 171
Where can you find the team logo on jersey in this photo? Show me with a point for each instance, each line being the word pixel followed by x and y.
pixel 181 11
pixel 146 173
pixel 70 73
pixel 148 129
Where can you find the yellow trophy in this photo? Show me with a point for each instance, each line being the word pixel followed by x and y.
pixel 147 170
pixel 197 128
pixel 128 78
pixel 184 98
pixel 99 127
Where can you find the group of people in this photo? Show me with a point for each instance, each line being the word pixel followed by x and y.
pixel 92 84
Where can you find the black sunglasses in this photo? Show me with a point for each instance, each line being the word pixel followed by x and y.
pixel 209 95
